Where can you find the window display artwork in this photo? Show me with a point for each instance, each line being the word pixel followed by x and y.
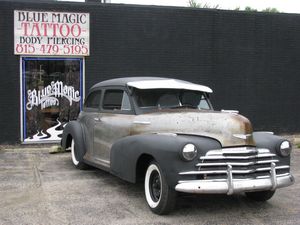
pixel 52 96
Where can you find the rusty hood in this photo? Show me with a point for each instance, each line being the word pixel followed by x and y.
pixel 230 129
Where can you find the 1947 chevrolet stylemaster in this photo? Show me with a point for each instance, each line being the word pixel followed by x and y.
pixel 166 132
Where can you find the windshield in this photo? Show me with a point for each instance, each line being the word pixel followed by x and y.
pixel 171 98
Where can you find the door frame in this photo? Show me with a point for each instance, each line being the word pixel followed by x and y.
pixel 22 90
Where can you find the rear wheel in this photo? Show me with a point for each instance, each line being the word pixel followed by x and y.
pixel 160 197
pixel 77 159
pixel 260 196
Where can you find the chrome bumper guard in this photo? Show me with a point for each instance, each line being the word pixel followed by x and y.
pixel 230 186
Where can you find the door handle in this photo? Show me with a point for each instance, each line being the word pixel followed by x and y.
pixel 97 119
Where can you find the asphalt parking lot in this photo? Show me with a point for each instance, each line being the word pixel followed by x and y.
pixel 41 188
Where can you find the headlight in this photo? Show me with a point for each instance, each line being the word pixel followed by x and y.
pixel 285 148
pixel 189 152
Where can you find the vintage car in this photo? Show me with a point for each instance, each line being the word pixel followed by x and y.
pixel 165 132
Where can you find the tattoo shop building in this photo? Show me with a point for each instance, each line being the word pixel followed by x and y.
pixel 52 52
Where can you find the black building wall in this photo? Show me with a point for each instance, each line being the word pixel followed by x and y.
pixel 250 60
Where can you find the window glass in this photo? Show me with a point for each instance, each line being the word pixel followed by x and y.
pixel 194 98
pixel 125 102
pixel 116 100
pixel 93 100
pixel 170 98
pixel 51 96
pixel 204 103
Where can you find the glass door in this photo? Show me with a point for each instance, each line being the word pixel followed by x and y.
pixel 52 95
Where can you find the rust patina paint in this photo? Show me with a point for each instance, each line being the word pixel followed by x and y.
pixel 218 125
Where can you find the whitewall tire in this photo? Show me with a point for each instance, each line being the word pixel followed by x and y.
pixel 76 159
pixel 159 196
pixel 153 178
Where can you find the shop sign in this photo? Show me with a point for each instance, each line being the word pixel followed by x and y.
pixel 51 33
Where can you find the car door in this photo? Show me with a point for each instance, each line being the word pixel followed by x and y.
pixel 114 122
pixel 89 117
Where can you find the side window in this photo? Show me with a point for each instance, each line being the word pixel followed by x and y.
pixel 203 103
pixel 93 100
pixel 125 102
pixel 116 100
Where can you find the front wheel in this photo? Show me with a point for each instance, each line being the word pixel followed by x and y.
pixel 76 158
pixel 260 196
pixel 160 197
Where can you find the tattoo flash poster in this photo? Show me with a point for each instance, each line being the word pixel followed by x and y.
pixel 51 96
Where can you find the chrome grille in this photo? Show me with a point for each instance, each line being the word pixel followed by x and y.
pixel 244 162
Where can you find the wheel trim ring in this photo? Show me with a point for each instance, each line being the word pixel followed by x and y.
pixel 74 160
pixel 149 199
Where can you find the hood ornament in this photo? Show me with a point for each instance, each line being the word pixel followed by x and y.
pixel 242 136
pixel 230 111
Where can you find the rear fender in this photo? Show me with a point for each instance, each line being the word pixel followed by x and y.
pixel 73 130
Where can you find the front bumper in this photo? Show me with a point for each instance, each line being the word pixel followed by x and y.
pixel 230 186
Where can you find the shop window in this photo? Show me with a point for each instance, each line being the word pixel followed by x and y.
pixel 51 96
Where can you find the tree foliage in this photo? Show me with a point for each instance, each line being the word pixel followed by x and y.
pixel 249 9
pixel 195 4
pixel 270 10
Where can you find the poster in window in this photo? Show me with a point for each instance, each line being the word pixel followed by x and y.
pixel 51 96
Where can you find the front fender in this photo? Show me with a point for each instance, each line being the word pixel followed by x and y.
pixel 271 142
pixel 73 130
pixel 165 149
